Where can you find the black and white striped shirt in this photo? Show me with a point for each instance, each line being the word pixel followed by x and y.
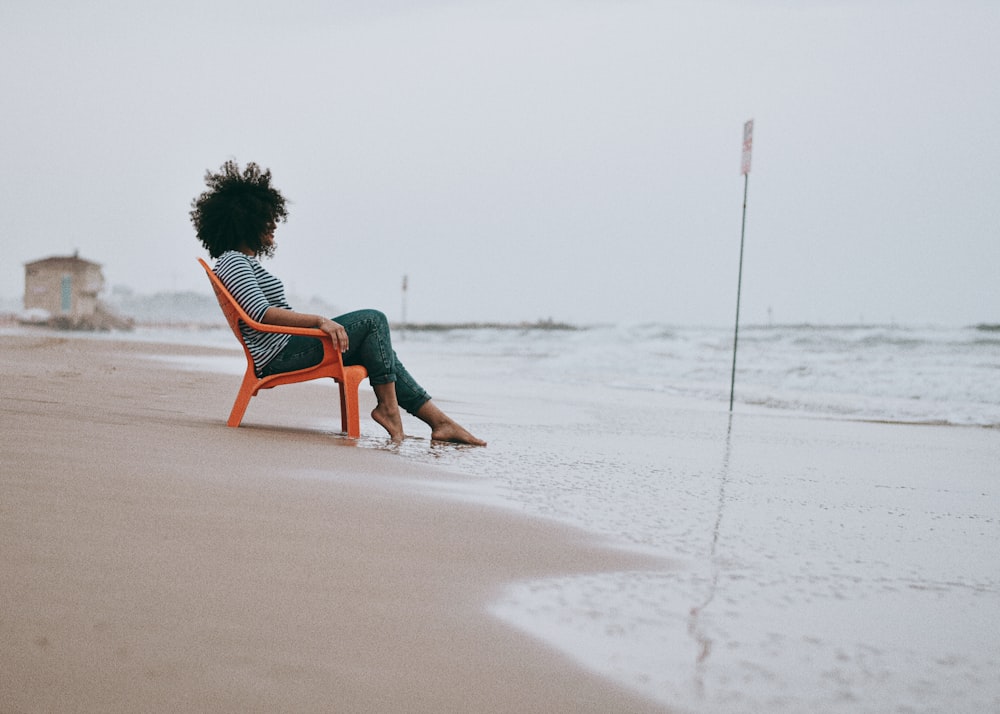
pixel 255 290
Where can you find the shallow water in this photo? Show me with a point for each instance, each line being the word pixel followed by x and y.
pixel 811 563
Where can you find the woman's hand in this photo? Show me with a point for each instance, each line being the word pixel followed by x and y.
pixel 336 331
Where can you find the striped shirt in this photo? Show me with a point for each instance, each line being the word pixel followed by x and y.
pixel 255 290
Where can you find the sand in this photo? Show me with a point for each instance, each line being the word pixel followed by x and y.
pixel 156 560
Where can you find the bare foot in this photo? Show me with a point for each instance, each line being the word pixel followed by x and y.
pixel 455 433
pixel 444 428
pixel 390 420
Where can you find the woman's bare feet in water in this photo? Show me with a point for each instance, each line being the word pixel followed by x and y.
pixel 444 428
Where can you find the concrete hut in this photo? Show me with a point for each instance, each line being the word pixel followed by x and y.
pixel 66 288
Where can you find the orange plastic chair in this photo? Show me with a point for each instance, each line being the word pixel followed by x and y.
pixel 348 378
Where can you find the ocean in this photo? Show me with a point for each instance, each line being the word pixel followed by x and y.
pixel 910 374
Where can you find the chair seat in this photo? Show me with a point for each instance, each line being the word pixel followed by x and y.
pixel 349 378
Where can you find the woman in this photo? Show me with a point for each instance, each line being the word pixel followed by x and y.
pixel 235 220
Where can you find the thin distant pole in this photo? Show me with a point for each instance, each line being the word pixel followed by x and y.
pixel 745 170
pixel 402 332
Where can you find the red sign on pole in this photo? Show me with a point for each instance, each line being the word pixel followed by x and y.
pixel 747 147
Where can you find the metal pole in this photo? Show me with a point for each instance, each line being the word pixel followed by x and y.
pixel 739 287
pixel 402 331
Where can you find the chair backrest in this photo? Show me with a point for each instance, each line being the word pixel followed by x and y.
pixel 230 308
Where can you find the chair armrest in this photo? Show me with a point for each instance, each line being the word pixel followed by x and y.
pixel 330 352
pixel 329 349
pixel 285 330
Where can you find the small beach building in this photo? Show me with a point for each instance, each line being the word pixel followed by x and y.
pixel 66 287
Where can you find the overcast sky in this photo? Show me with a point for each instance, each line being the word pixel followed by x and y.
pixel 524 160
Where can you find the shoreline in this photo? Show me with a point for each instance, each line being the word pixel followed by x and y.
pixel 158 560
pixel 801 383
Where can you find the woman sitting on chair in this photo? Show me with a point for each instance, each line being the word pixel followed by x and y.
pixel 235 220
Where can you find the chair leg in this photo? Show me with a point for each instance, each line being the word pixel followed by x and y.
pixel 242 401
pixel 350 416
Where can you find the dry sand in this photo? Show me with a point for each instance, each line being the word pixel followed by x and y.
pixel 156 560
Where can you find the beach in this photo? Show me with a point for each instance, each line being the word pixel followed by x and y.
pixel 613 549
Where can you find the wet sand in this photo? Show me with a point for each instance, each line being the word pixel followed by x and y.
pixel 156 560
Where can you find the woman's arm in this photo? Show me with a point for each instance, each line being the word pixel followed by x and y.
pixel 290 318
pixel 236 273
